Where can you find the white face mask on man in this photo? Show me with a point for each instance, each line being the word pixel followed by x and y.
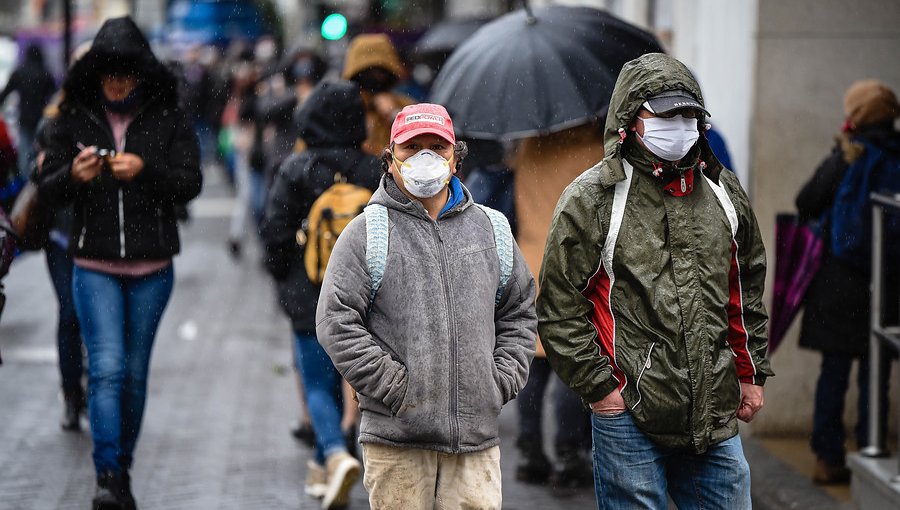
pixel 670 139
pixel 425 173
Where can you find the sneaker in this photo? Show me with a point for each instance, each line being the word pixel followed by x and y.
pixel 827 473
pixel 342 470
pixel 316 480
pixel 107 495
pixel 535 467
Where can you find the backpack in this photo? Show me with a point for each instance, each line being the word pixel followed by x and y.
pixel 850 216
pixel 377 228
pixel 329 215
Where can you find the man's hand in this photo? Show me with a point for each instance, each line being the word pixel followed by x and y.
pixel 751 401
pixel 611 404
pixel 86 165
pixel 125 166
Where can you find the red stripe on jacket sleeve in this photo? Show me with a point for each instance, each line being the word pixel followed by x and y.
pixel 737 333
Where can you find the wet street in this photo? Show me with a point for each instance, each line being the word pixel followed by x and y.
pixel 220 403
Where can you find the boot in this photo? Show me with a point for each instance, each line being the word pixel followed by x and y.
pixel 574 470
pixel 535 467
pixel 73 406
pixel 125 495
pixel 350 440
pixel 342 470
pixel 107 495
pixel 828 473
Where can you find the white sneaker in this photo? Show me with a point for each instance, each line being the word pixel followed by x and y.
pixel 342 470
pixel 316 480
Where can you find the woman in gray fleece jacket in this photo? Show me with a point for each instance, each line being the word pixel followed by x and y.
pixel 436 353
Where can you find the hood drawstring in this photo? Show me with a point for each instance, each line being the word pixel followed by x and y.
pixel 657 169
pixel 622 135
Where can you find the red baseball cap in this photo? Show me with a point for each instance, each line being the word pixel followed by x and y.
pixel 420 119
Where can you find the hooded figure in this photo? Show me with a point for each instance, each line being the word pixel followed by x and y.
pixel 332 126
pixel 125 154
pixel 651 298
pixel 372 62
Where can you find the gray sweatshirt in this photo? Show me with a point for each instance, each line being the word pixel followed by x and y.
pixel 434 359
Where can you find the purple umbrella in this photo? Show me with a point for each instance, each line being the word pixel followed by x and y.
pixel 798 255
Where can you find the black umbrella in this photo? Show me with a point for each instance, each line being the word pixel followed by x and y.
pixel 526 75
pixel 447 35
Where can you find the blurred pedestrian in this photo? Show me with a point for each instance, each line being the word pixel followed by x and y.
pixel 372 61
pixel 542 168
pixel 427 310
pixel 34 85
pixel 651 300
pixel 332 126
pixel 837 316
pixel 60 265
pixel 126 155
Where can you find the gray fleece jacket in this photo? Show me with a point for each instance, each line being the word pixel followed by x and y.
pixel 434 359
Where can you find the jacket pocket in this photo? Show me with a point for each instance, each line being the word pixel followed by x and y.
pixel 373 405
pixel 647 365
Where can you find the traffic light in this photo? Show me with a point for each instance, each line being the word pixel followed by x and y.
pixel 334 27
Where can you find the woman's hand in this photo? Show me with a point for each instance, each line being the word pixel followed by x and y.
pixel 86 165
pixel 126 166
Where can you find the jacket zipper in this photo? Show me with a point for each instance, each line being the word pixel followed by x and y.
pixel 454 348
pixel 121 194
pixel 637 385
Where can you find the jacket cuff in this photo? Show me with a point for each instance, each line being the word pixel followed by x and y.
pixel 601 391
pixel 758 379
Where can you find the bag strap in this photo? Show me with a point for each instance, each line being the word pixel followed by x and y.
pixel 376 245
pixel 503 238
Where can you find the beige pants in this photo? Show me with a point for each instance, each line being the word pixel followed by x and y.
pixel 414 479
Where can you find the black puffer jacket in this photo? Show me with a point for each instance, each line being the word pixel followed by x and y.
pixel 116 219
pixel 836 316
pixel 332 125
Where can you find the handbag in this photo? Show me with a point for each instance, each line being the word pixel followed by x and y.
pixel 31 219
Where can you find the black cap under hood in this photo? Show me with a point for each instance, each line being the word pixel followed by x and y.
pixel 120 46
pixel 333 116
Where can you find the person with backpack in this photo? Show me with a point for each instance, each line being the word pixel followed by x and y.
pixel 866 158
pixel 427 309
pixel 651 300
pixel 315 194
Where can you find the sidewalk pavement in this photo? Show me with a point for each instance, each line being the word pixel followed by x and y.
pixel 221 399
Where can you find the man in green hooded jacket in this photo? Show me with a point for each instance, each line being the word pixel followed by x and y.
pixel 651 300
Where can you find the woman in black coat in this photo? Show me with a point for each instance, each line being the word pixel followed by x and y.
pixel 836 316
pixel 126 155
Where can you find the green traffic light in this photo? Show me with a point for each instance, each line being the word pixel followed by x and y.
pixel 334 27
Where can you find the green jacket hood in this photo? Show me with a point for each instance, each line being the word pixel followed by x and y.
pixel 640 79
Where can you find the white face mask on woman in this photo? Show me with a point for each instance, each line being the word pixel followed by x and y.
pixel 670 139
pixel 425 173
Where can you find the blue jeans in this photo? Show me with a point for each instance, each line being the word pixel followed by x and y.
pixel 68 335
pixel 630 471
pixel 828 415
pixel 322 390
pixel 119 316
